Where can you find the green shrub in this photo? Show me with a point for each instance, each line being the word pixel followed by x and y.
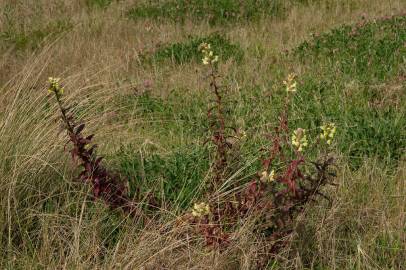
pixel 364 131
pixel 363 56
pixel 367 52
pixel 187 51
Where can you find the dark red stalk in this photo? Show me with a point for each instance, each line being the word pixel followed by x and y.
pixel 105 185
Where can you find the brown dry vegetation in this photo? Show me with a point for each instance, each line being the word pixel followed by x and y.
pixel 99 59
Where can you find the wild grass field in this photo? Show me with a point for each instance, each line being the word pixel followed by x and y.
pixel 132 72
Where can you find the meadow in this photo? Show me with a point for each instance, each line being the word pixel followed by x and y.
pixel 216 150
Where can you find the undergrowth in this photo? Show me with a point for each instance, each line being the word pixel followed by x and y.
pixel 174 179
pixel 214 11
pixel 360 86
pixel 15 35
pixel 229 168
pixel 368 52
pixel 98 3
pixel 184 52
pixel 106 185
pixel 287 183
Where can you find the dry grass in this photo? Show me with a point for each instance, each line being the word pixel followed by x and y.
pixel 99 60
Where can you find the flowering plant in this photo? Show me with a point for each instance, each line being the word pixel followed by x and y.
pixel 105 184
pixel 280 190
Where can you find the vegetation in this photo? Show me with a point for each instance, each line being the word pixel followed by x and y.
pixel 216 12
pixel 230 135
pixel 361 57
pixel 184 52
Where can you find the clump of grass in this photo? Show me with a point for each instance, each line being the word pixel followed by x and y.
pixel 214 11
pixel 368 193
pixel 369 131
pixel 174 178
pixel 21 39
pixel 369 51
pixel 187 51
pixel 98 3
pixel 350 73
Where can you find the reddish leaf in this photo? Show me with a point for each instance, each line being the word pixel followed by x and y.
pixel 90 137
pixel 79 128
pixel 91 149
pixel 98 160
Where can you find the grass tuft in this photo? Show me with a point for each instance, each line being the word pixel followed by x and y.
pixel 214 11
pixel 22 39
pixel 187 51
pixel 369 52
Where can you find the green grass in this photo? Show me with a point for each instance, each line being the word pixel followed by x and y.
pixel 364 131
pixel 174 179
pixel 344 70
pixel 174 174
pixel 22 39
pixel 187 51
pixel 214 11
pixel 333 61
pixel 387 247
pixel 98 3
pixel 156 112
pixel 370 53
pixel 179 121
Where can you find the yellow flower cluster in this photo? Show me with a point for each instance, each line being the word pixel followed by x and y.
pixel 328 132
pixel 290 83
pixel 267 177
pixel 243 134
pixel 299 139
pixel 200 209
pixel 54 86
pixel 208 54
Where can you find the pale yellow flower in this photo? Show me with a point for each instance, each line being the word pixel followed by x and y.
pixel 271 177
pixel 299 139
pixel 328 132
pixel 54 86
pixel 290 83
pixel 200 209
pixel 243 134
pixel 208 54
pixel 205 60
pixel 267 177
pixel 264 176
